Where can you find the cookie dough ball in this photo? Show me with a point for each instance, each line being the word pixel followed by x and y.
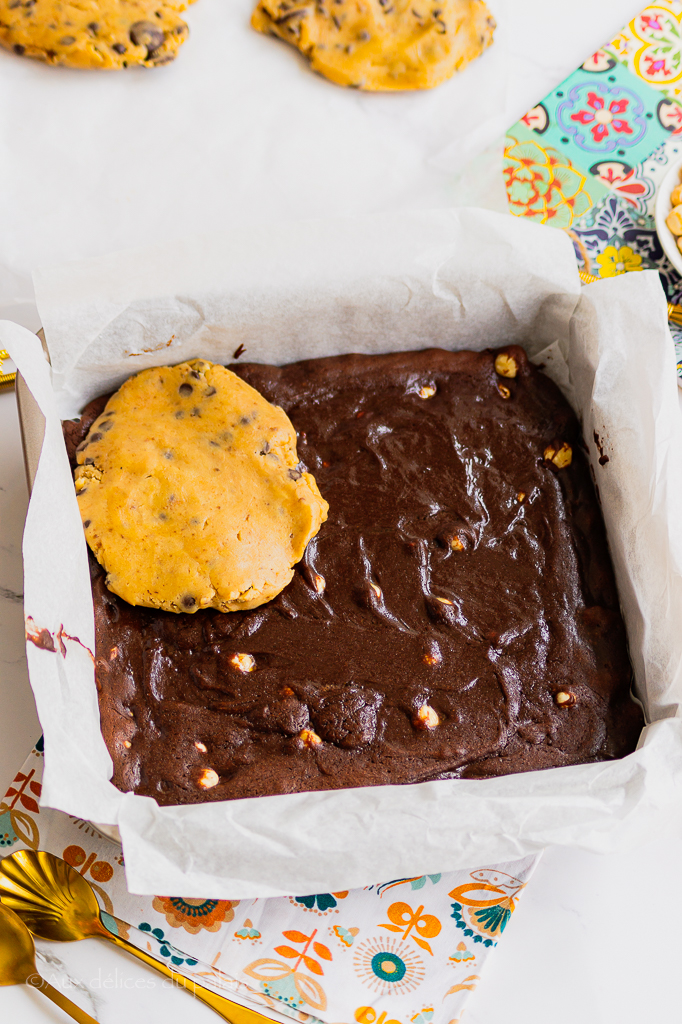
pixel 191 493
pixel 381 46
pixel 108 34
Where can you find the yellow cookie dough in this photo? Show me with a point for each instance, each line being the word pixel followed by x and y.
pixel 381 45
pixel 94 33
pixel 191 494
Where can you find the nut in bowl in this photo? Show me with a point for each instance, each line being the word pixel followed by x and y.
pixel 668 214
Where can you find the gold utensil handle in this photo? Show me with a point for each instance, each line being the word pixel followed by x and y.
pixel 7 380
pixel 674 312
pixel 63 1001
pixel 229 1011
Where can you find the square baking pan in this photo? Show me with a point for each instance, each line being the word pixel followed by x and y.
pixel 466 278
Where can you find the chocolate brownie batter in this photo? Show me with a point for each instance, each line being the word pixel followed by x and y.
pixel 456 617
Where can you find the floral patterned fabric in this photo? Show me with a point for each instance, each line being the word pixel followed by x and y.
pixel 590 156
pixel 406 950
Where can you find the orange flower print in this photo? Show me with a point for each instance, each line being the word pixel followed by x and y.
pixel 404 919
pixel 195 915
pixel 542 184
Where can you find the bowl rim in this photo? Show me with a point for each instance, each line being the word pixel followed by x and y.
pixel 662 208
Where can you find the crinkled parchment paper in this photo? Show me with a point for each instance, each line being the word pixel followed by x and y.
pixel 458 279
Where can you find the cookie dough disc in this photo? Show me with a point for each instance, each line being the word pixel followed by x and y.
pixel 381 45
pixel 94 33
pixel 191 494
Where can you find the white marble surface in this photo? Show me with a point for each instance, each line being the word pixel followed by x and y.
pixel 595 939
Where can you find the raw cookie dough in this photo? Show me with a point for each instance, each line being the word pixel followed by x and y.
pixel 381 45
pixel 109 34
pixel 191 494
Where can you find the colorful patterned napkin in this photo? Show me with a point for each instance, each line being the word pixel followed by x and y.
pixel 590 156
pixel 411 949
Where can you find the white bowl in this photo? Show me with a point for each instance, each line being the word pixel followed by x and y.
pixel 661 211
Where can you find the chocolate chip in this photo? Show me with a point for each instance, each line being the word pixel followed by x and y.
pixel 188 602
pixel 119 48
pixel 185 389
pixel 86 523
pixel 67 40
pixel 145 33
pixel 93 26
pixel 95 437
pixel 89 462
pixel 210 392
pixel 81 446
pixel 441 610
pixel 19 49
pixel 107 425
pixel 195 374
pixel 450 539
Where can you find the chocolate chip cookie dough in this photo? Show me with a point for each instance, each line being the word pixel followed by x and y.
pixel 108 34
pixel 455 617
pixel 191 494
pixel 381 45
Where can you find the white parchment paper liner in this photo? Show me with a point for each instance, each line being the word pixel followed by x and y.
pixel 458 279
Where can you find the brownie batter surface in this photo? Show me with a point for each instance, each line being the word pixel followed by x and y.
pixel 459 585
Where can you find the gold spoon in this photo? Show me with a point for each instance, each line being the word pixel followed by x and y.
pixel 57 903
pixel 18 964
